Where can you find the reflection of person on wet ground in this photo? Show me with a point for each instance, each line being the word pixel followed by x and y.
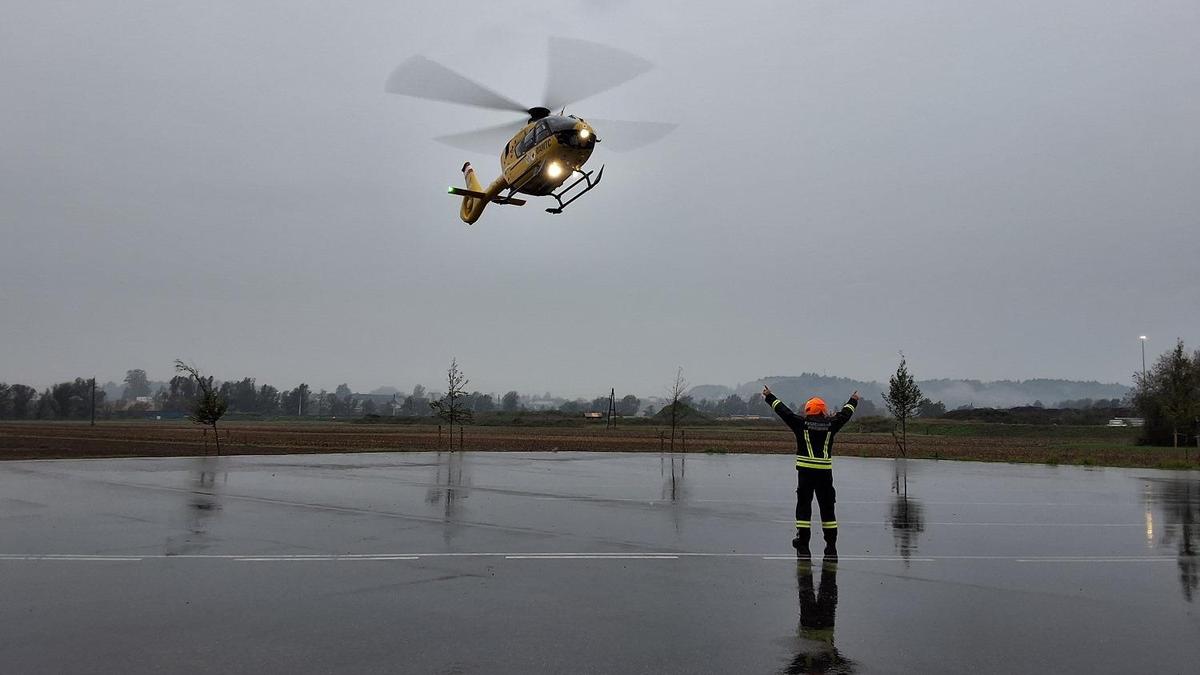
pixel 814 465
pixel 818 610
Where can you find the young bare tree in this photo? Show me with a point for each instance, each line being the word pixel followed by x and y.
pixel 902 400
pixel 675 393
pixel 210 406
pixel 452 408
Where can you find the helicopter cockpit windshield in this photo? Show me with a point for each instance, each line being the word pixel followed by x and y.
pixel 564 129
pixel 558 124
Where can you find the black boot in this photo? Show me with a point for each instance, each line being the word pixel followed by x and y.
pixel 830 543
pixel 800 542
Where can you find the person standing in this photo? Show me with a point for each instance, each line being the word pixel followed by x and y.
pixel 814 465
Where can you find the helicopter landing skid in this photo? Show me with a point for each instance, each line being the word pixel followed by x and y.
pixel 583 178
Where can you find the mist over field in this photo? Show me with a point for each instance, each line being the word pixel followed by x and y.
pixel 794 388
pixel 952 393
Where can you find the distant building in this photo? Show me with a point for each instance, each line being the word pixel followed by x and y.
pixel 387 405
pixel 593 416
pixel 140 403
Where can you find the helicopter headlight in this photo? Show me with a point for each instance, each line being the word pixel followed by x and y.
pixel 554 170
pixel 584 133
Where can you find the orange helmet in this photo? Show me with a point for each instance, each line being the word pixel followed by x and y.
pixel 815 406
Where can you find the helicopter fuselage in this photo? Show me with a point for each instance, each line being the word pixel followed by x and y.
pixel 536 161
pixel 540 157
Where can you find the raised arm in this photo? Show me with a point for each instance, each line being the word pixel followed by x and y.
pixel 847 411
pixel 794 421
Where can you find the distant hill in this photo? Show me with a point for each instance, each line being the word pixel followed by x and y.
pixel 710 392
pixel 953 393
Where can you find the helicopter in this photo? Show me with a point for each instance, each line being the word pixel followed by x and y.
pixel 544 150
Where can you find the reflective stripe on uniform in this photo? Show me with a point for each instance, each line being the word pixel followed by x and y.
pixel 829 524
pixel 775 403
pixel 803 524
pixel 808 444
pixel 850 406
pixel 803 462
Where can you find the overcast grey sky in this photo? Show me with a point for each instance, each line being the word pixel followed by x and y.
pixel 1004 189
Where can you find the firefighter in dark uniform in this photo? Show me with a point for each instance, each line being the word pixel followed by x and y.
pixel 814 464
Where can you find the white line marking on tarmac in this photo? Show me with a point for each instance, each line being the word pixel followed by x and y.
pixel 599 556
pixel 977 524
pixel 324 559
pixel 1069 559
pixel 854 557
pixel 63 558
pixel 283 559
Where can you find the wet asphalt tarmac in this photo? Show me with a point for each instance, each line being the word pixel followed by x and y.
pixel 582 563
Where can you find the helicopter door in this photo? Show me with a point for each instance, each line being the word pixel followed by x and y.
pixel 527 143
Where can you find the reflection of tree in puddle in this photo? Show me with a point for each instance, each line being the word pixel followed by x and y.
pixel 907 517
pixel 818 614
pixel 1179 502
pixel 202 505
pixel 673 470
pixel 449 486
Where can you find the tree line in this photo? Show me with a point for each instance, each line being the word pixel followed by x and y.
pixel 245 396
pixel 1168 396
pixel 65 400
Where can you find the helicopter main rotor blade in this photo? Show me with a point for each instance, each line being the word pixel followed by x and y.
pixel 579 69
pixel 488 140
pixel 423 78
pixel 622 135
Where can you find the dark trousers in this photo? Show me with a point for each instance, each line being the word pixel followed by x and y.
pixel 817 482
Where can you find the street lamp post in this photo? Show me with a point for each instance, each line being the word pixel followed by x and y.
pixel 1142 338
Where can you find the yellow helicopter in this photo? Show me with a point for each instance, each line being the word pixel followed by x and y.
pixel 546 149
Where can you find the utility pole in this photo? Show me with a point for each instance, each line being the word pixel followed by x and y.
pixel 93 401
pixel 1143 340
pixel 612 409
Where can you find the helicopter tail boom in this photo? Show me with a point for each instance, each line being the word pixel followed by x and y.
pixel 475 198
pixel 513 201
